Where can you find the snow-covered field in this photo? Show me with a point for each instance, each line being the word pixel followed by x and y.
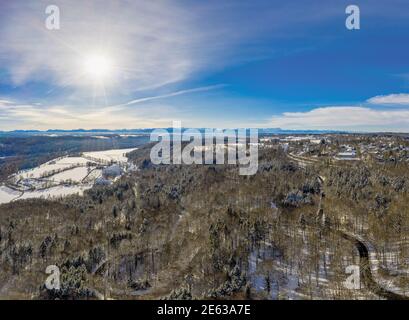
pixel 53 165
pixel 76 174
pixel 72 160
pixel 109 155
pixel 55 192
pixel 93 175
pixel 7 194
pixel 49 179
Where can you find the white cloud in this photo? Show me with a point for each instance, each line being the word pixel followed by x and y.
pixel 32 116
pixel 150 43
pixel 391 99
pixel 345 118
pixel 5 102
pixel 149 113
pixel 173 94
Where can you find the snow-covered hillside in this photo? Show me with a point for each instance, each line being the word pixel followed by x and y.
pixel 117 155
pixel 7 194
pixel 64 176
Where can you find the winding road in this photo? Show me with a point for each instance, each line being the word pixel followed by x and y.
pixel 363 247
pixel 366 271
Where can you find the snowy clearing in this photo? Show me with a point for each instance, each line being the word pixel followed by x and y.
pixel 55 165
pixel 76 174
pixel 55 178
pixel 7 194
pixel 55 192
pixel 109 155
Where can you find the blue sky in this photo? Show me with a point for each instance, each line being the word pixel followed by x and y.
pixel 288 64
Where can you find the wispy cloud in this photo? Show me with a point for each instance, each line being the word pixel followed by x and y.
pixel 150 43
pixel 5 102
pixel 33 116
pixel 345 118
pixel 173 94
pixel 155 45
pixel 390 99
pixel 374 116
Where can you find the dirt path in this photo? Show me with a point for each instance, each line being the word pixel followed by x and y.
pixel 366 265
pixel 366 271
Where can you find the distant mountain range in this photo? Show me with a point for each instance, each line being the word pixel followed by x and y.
pixel 261 131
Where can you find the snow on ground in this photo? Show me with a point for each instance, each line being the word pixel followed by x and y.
pixel 37 172
pixel 54 192
pixel 72 160
pixel 67 162
pixel 93 175
pixel 109 155
pixel 53 165
pixel 7 194
pixel 60 170
pixel 77 175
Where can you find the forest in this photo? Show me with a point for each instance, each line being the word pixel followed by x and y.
pixel 205 232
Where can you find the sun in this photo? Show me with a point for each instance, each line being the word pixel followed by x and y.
pixel 97 67
pixel 98 73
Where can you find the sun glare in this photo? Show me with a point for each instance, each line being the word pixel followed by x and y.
pixel 97 67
